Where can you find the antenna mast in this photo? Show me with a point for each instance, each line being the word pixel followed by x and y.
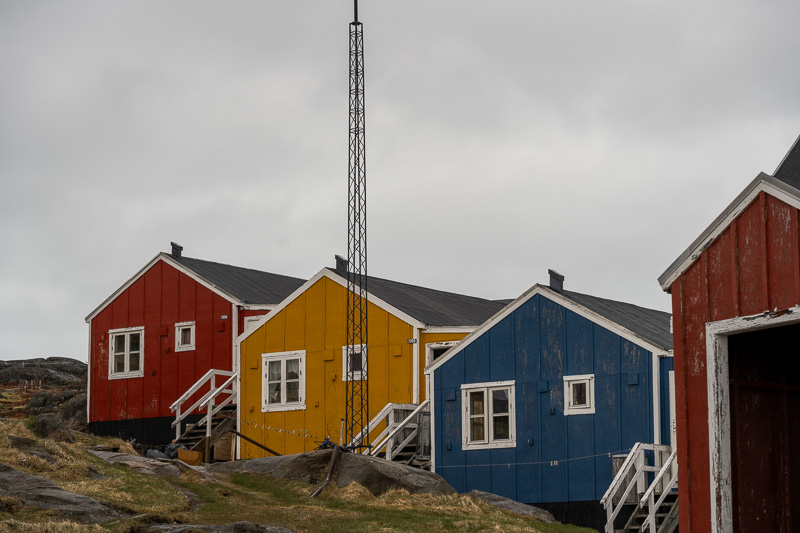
pixel 357 389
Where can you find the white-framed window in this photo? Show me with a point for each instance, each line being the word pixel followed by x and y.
pixel 354 358
pixel 579 394
pixel 184 336
pixel 434 350
pixel 126 353
pixel 488 415
pixel 283 385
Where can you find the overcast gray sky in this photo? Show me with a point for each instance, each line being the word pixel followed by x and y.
pixel 504 137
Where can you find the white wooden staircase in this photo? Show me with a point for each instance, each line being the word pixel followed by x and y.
pixel 405 435
pixel 219 403
pixel 650 474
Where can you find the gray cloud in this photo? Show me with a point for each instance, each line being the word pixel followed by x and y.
pixel 503 139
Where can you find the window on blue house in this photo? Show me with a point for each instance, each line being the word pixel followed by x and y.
pixel 488 415
pixel 579 394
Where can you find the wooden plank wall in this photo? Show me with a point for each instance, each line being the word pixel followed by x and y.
pixel 158 300
pixel 752 267
pixel 557 458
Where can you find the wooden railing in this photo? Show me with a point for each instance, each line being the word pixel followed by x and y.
pixel 208 401
pixel 665 481
pixel 633 476
pixel 400 428
pixel 408 426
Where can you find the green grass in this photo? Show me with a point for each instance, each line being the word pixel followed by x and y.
pixel 190 498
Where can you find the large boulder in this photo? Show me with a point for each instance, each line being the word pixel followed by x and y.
pixel 377 475
pixel 42 493
pixel 311 467
pixel 74 412
pixel 51 426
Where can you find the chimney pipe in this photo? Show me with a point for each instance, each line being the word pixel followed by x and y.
pixel 176 250
pixel 341 264
pixel 556 281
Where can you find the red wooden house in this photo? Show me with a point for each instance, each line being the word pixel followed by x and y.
pixel 153 338
pixel 735 294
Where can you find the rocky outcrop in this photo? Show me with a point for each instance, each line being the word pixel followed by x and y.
pixel 30 447
pixel 143 465
pixel 379 475
pixel 237 527
pixel 44 385
pixel 375 474
pixel 514 506
pixel 50 371
pixel 39 492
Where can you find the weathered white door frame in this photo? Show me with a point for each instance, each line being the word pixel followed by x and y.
pixel 719 407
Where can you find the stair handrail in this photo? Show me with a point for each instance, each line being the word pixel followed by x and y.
pixel 635 461
pixel 207 400
pixel 383 413
pixel 381 444
pixel 648 499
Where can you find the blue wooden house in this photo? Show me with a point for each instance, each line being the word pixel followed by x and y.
pixel 535 402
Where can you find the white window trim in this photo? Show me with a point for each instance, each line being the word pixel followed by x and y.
pixel 490 442
pixel 429 347
pixel 283 356
pixel 362 349
pixel 569 409
pixel 127 374
pixel 184 347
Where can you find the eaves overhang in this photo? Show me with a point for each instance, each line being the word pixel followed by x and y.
pixel 762 183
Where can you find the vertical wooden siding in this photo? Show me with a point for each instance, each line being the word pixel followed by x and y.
pixel 315 322
pixel 557 458
pixel 752 267
pixel 157 300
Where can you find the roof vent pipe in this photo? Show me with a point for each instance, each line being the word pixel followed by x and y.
pixel 556 281
pixel 176 250
pixel 341 264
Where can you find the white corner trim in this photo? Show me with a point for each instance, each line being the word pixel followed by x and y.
pixel 415 353
pixel 719 407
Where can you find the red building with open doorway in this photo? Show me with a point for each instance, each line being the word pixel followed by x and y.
pixel 735 294
pixel 155 336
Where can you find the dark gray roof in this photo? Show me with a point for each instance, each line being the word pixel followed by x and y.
pixel 789 169
pixel 432 307
pixel 649 324
pixel 245 284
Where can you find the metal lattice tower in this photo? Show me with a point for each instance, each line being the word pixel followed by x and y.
pixel 357 393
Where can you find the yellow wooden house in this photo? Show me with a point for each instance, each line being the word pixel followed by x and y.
pixel 292 362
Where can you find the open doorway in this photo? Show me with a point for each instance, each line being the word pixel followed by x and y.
pixel 764 377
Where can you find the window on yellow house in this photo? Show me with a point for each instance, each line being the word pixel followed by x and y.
pixel 354 360
pixel 283 383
